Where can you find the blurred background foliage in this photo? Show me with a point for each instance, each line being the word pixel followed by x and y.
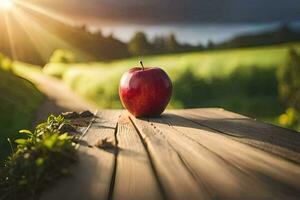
pixel 259 82
pixel 289 90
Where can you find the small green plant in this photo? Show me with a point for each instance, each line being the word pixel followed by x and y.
pixel 39 160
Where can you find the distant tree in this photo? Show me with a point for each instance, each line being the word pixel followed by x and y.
pixel 112 48
pixel 158 44
pixel 139 44
pixel 199 47
pixel 284 34
pixel 98 33
pixel 284 28
pixel 83 27
pixel 111 36
pixel 171 43
pixel 210 45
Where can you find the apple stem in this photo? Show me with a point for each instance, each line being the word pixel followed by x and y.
pixel 141 62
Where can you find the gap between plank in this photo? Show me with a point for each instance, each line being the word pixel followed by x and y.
pixel 193 174
pixel 203 146
pixel 113 178
pixel 185 164
pixel 237 167
pixel 160 185
pixel 87 129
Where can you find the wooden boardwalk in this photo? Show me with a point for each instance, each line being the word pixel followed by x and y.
pixel 185 154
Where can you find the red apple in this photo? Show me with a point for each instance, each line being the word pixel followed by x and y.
pixel 145 92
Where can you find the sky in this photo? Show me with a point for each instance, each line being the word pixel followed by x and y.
pixel 156 12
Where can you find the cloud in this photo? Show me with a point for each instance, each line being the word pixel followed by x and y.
pixel 176 11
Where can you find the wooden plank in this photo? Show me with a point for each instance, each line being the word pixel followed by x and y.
pixel 270 138
pixel 176 181
pixel 275 177
pixel 215 113
pixel 198 155
pixel 92 176
pixel 221 179
pixel 135 178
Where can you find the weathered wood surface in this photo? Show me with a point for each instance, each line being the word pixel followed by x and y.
pixel 185 154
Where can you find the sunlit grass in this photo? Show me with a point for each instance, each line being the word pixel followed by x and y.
pixel 217 63
pixel 99 81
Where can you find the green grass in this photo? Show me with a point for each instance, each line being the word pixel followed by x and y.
pixel 19 100
pixel 241 80
pixel 219 63
pixel 40 159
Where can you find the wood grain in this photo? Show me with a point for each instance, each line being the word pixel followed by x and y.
pixel 185 154
pixel 275 177
pixel 220 178
pixel 176 180
pixel 270 138
pixel 135 178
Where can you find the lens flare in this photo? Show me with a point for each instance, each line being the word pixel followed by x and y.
pixel 6 4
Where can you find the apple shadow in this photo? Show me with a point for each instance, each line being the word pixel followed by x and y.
pixel 241 129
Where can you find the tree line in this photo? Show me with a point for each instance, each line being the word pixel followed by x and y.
pixel 94 46
pixel 141 45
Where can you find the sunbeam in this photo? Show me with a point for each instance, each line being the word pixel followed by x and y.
pixel 6 5
pixel 9 31
pixel 42 11
pixel 42 39
pixel 24 17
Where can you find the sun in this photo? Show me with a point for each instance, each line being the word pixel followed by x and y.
pixel 6 4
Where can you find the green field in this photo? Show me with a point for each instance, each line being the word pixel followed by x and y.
pixel 19 100
pixel 241 80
